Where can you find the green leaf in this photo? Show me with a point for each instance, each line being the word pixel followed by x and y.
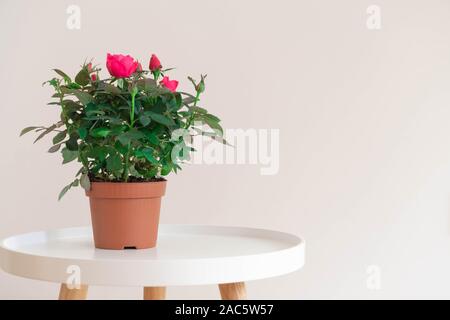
pixel 82 78
pixel 188 100
pixel 70 105
pixel 148 154
pixel 130 135
pixel 72 143
pixel 114 162
pixel 74 183
pixel 100 132
pixel 64 191
pixel 146 84
pixel 116 130
pixel 138 154
pixel 187 94
pixel 45 132
pixel 85 182
pixel 84 97
pixel 82 132
pixel 109 88
pixel 152 137
pixel 99 153
pixel 211 117
pixel 59 137
pixel 123 149
pixel 54 148
pixel 145 120
pixel 173 101
pixel 82 170
pixel 164 120
pixel 199 110
pixel 121 83
pixel 69 155
pixel 217 128
pixel 134 172
pixel 28 129
pixel 165 170
pixel 94 112
pixel 106 107
pixel 62 74
pixel 73 85
pixel 212 122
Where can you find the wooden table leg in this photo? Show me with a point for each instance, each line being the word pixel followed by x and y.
pixel 73 294
pixel 233 291
pixel 154 293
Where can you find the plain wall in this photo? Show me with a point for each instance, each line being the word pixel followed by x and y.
pixel 364 131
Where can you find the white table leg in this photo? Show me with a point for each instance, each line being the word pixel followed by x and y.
pixel 233 291
pixel 73 294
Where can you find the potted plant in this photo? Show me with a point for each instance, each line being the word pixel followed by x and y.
pixel 127 131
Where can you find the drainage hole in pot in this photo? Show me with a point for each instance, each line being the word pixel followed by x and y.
pixel 129 247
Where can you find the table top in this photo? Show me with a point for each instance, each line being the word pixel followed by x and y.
pixel 185 255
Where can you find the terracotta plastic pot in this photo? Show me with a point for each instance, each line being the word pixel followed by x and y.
pixel 125 215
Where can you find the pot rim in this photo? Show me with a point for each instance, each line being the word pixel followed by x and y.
pixel 127 190
pixel 132 182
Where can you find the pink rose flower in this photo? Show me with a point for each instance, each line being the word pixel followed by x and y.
pixel 121 66
pixel 169 84
pixel 155 64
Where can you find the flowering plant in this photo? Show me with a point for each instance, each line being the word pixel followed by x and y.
pixel 130 127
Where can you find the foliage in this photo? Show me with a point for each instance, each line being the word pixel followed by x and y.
pixel 122 129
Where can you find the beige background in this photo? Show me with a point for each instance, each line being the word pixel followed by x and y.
pixel 363 118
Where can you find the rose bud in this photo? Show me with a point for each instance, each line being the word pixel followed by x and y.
pixel 200 87
pixel 154 64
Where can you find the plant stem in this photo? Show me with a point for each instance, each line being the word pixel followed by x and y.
pixel 61 99
pixel 156 74
pixel 127 162
pixel 127 156
pixel 133 95
pixel 188 124
pixel 196 98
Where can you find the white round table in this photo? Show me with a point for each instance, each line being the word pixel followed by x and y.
pixel 185 255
